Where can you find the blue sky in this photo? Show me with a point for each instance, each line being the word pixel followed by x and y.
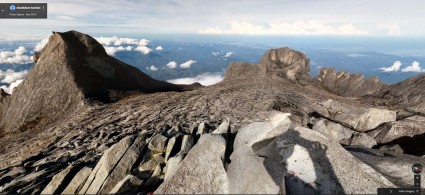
pixel 248 17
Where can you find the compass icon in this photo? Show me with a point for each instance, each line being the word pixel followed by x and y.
pixel 417 168
pixel 12 8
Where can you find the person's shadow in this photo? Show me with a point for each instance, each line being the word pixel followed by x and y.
pixel 298 165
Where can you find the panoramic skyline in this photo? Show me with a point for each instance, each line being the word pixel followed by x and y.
pixel 274 17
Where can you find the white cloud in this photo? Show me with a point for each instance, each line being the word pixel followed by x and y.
pixel 117 41
pixel 229 54
pixel 41 45
pixel 413 68
pixel 159 48
pixel 9 89
pixel 215 53
pixel 9 76
pixel 112 50
pixel 12 78
pixel 171 65
pixel 153 68
pixel 144 42
pixel 143 49
pixel 15 57
pixel 205 79
pixel 391 29
pixel 312 27
pixel 394 68
pixel 187 64
pixel 120 42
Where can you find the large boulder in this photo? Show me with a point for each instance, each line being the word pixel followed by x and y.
pixel 249 173
pixel 346 84
pixel 334 131
pixel 129 185
pixel 78 181
pixel 157 143
pixel 313 164
pixel 58 182
pixel 114 165
pixel 408 127
pixel 202 170
pixel 356 117
pixel 362 139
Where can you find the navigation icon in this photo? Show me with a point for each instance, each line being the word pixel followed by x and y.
pixel 12 8
pixel 417 168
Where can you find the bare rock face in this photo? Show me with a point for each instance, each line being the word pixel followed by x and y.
pixel 346 84
pixel 276 64
pixel 249 173
pixel 200 172
pixel 408 93
pixel 3 100
pixel 362 139
pixel 71 69
pixel 356 117
pixel 408 127
pixel 286 63
pixel 241 70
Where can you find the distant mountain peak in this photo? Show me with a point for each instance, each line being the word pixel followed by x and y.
pixel 346 84
pixel 281 63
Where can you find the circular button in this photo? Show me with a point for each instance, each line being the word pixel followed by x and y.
pixel 417 168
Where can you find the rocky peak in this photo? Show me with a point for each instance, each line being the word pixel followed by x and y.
pixel 70 70
pixel 346 84
pixel 275 64
pixel 286 63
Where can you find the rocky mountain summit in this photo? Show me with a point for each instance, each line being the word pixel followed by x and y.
pixel 70 71
pixel 83 122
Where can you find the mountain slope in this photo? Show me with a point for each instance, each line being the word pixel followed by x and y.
pixel 72 69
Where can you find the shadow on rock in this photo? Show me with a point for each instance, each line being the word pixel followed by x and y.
pixel 307 168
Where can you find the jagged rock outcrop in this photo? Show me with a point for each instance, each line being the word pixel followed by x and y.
pixel 346 84
pixel 275 64
pixel 408 127
pixel 406 94
pixel 286 63
pixel 72 69
pixel 114 165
